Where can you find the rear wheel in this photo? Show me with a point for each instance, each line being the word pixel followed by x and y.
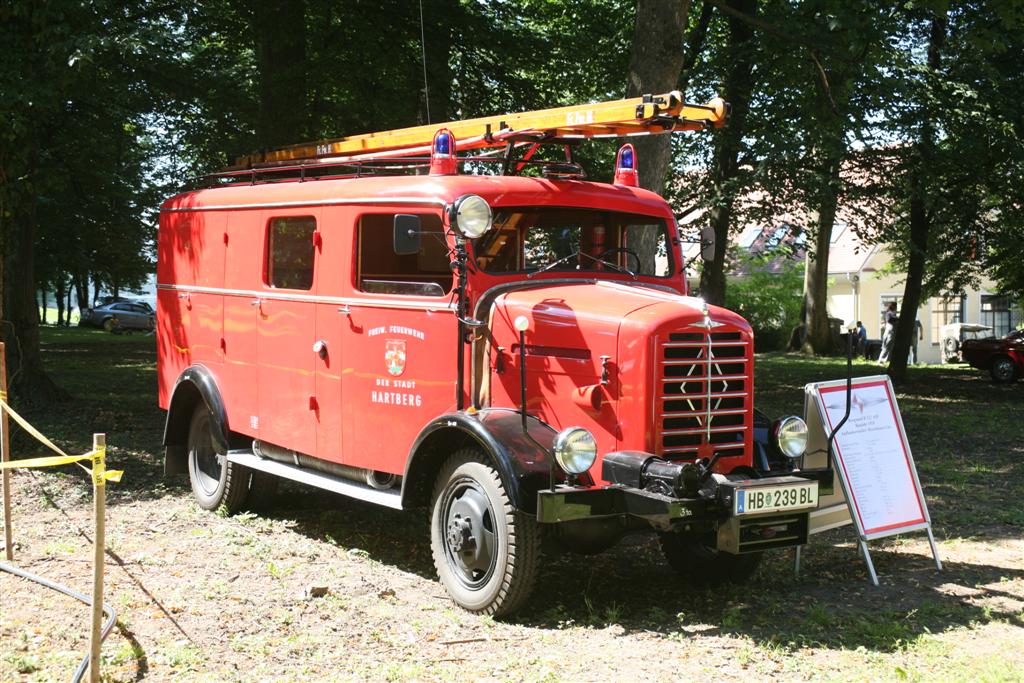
pixel 108 324
pixel 702 565
pixel 486 552
pixel 215 481
pixel 1003 370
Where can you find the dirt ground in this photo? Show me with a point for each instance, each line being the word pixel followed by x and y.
pixel 318 587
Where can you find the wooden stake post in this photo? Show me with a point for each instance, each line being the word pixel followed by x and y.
pixel 5 455
pixel 99 489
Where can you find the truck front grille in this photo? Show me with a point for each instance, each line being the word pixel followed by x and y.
pixel 704 397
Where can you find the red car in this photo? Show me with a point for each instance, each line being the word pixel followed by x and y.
pixel 1003 358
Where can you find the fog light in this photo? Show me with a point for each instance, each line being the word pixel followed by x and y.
pixel 791 436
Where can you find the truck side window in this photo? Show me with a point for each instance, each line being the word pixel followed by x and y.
pixel 382 271
pixel 290 252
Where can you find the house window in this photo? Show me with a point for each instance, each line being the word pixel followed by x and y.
pixel 946 309
pixel 996 312
pixel 290 252
pixel 382 271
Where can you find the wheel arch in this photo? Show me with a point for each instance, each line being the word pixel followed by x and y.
pixel 194 385
pixel 522 466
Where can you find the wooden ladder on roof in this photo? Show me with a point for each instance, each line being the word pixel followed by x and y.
pixel 646 115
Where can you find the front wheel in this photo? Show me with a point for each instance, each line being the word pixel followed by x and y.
pixel 1003 370
pixel 486 552
pixel 702 565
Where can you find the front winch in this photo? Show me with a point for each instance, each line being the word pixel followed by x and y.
pixel 650 473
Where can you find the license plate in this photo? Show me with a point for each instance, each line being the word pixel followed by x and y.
pixel 761 499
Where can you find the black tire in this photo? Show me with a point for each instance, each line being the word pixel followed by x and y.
pixel 107 324
pixel 1003 370
pixel 702 565
pixel 486 552
pixel 215 481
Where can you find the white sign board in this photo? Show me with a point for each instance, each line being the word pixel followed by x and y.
pixel 873 457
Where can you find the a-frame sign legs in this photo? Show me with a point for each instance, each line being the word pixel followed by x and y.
pixel 867 559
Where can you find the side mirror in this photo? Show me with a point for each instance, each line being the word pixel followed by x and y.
pixel 407 234
pixel 707 243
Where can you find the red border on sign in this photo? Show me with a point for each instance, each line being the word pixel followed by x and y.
pixel 906 455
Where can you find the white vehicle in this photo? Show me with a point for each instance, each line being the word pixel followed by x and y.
pixel 955 334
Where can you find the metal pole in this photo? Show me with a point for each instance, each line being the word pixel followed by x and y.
pixel 99 488
pixel 935 550
pixel 5 455
pixel 871 565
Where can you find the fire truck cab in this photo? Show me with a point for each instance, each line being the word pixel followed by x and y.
pixel 516 353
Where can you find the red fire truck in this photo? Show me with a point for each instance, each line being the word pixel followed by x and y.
pixel 445 317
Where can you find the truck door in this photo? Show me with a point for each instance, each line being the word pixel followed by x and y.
pixel 286 330
pixel 399 340
pixel 334 283
pixel 243 265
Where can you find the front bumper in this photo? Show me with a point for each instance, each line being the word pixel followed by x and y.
pixel 676 496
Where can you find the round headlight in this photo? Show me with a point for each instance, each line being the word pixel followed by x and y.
pixel 472 215
pixel 575 450
pixel 791 436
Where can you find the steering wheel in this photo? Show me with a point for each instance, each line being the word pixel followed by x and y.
pixel 622 250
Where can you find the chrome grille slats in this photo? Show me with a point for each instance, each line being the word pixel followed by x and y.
pixel 703 406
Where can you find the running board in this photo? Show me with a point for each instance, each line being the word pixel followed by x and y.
pixel 391 498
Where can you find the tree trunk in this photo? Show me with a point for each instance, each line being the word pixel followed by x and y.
pixel 95 291
pixel 58 293
pixel 81 281
pixel 920 220
pixel 67 319
pixel 739 83
pixel 819 339
pixel 654 68
pixel 280 30
pixel 27 378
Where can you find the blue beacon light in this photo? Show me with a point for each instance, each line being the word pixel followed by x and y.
pixel 443 144
pixel 442 155
pixel 627 157
pixel 625 167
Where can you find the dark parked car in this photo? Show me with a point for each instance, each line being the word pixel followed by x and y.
pixel 122 315
pixel 1003 358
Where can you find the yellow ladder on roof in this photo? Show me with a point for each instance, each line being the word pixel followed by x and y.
pixel 646 115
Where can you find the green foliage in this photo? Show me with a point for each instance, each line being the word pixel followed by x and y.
pixel 767 294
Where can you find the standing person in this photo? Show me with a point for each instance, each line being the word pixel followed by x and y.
pixel 918 336
pixel 862 339
pixel 890 332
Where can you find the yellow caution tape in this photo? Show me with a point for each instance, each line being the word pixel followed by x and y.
pixel 99 472
pixel 29 428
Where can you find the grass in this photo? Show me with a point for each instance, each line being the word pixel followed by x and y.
pixel 967 436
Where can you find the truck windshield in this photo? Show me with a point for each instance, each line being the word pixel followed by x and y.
pixel 532 239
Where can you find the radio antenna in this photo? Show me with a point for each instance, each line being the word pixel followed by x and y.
pixel 423 48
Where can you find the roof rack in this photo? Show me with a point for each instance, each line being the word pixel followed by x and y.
pixel 646 115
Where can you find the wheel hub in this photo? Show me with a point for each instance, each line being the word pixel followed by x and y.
pixel 460 535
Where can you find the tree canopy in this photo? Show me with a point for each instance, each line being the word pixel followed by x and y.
pixel 110 105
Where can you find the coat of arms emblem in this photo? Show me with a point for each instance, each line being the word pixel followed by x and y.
pixel 394 356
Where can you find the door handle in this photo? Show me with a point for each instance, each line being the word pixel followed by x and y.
pixel 345 309
pixel 254 302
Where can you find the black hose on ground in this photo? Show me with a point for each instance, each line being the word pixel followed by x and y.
pixel 107 627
